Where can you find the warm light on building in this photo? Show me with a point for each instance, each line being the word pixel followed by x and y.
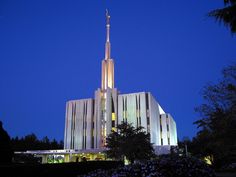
pixel 89 121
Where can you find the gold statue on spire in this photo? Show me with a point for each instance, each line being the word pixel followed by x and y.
pixel 108 33
pixel 108 17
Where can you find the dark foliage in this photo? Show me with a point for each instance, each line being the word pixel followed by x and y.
pixel 166 166
pixel 184 146
pixel 217 123
pixel 57 170
pixel 227 15
pixel 132 143
pixel 6 152
pixel 31 142
pixel 26 159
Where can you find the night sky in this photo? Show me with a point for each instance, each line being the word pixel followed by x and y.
pixel 51 52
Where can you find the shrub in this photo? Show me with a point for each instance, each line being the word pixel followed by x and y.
pixel 165 166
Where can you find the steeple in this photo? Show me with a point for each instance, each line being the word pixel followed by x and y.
pixel 108 44
pixel 107 63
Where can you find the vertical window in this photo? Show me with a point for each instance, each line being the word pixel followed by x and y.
pixel 71 125
pixel 148 113
pixel 168 141
pixel 113 118
pixel 123 108
pixel 113 123
pixel 137 121
pixel 148 120
pixel 148 124
pixel 161 141
pixel 147 101
pixel 139 103
pixel 92 141
pixel 167 127
pixel 136 101
pixel 126 108
pixel 112 105
pixel 139 114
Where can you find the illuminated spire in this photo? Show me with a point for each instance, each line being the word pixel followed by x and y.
pixel 107 63
pixel 108 44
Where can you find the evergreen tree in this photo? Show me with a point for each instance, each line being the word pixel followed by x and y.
pixel 5 146
pixel 132 143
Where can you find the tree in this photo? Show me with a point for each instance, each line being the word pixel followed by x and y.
pixel 132 143
pixel 227 15
pixel 217 124
pixel 31 142
pixel 5 146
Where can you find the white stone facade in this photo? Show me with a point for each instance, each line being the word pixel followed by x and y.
pixel 87 125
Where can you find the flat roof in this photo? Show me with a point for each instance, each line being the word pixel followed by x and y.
pixel 60 151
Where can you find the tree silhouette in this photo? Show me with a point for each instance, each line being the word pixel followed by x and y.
pixel 227 15
pixel 5 146
pixel 217 124
pixel 132 143
pixel 31 142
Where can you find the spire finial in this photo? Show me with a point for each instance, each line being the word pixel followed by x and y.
pixel 107 17
pixel 108 45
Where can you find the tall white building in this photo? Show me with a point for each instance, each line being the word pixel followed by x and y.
pixel 89 121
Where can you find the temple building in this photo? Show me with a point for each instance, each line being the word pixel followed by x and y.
pixel 89 121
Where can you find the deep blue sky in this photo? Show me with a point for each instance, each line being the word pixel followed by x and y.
pixel 51 52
